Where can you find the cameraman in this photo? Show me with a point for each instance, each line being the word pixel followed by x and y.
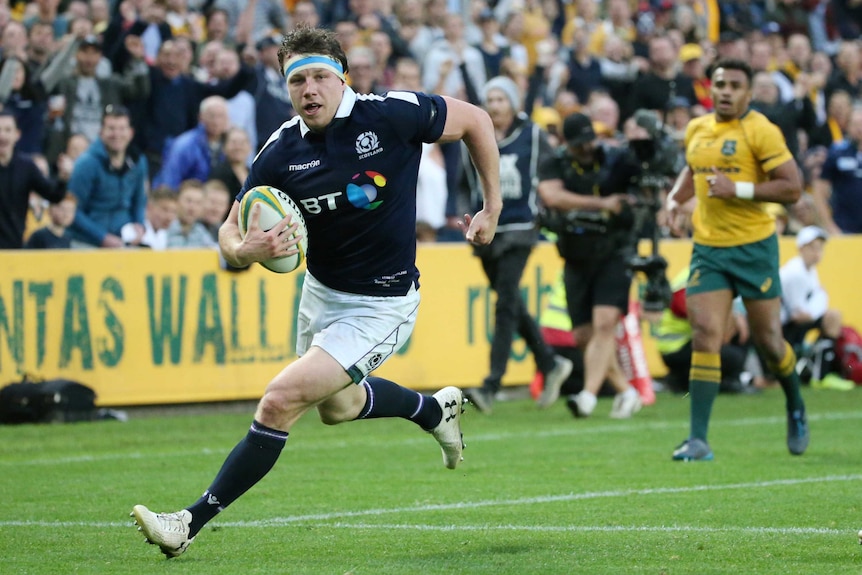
pixel 583 187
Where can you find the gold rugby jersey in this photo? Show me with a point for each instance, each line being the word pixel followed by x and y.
pixel 745 150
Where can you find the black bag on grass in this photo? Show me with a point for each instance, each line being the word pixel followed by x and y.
pixel 55 400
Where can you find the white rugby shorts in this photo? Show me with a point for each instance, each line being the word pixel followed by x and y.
pixel 359 331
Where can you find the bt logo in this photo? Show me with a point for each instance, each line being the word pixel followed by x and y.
pixel 362 191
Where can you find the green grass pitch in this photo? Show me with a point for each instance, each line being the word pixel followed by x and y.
pixel 538 492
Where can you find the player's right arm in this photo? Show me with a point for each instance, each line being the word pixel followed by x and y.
pixel 681 193
pixel 258 245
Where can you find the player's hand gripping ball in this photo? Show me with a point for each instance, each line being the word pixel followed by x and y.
pixel 275 205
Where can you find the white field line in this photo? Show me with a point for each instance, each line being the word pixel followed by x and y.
pixel 334 519
pixel 306 442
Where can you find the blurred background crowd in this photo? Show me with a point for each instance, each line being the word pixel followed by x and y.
pixel 143 115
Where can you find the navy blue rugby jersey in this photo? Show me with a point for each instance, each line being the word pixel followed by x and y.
pixel 356 186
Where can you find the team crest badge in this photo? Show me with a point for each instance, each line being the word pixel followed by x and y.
pixel 728 148
pixel 367 144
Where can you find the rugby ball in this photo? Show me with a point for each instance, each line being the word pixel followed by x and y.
pixel 275 205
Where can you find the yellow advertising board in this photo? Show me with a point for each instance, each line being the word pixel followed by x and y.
pixel 144 327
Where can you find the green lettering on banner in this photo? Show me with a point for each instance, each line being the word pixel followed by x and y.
pixel 234 314
pixel 15 332
pixel 473 294
pixel 76 325
pixel 294 335
pixel 543 292
pixel 262 336
pixel 163 328
pixel 110 355
pixel 209 333
pixel 41 292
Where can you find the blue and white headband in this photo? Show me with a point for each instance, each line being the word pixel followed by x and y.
pixel 301 62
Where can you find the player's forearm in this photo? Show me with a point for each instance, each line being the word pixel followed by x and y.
pixel 230 241
pixel 683 188
pixel 780 191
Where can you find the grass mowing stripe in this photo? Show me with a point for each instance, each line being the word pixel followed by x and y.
pixel 276 521
pixel 597 528
pixel 488 527
pixel 311 443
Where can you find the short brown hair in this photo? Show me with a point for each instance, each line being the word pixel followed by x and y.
pixel 306 40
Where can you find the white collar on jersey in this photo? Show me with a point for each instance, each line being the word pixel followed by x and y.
pixel 348 100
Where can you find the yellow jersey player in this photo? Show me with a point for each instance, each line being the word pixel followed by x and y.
pixel 735 161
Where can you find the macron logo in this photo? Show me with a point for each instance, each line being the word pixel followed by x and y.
pixel 300 167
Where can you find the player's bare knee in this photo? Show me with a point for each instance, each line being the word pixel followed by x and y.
pixel 272 406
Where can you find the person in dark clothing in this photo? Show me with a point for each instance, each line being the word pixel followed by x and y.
pixel 790 117
pixel 523 146
pixel 584 189
pixel 654 89
pixel 56 235
pixel 848 73
pixel 19 176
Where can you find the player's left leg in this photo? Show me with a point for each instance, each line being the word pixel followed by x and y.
pixel 766 332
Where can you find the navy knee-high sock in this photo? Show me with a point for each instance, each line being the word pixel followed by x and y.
pixel 388 399
pixel 248 463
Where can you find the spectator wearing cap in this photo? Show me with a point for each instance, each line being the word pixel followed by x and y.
pixel 110 182
pixel 838 190
pixel 522 146
pixel 583 186
pixel 19 176
pixel 804 302
pixel 663 82
pixel 693 66
pixel 790 117
pixel 47 12
pixel 85 96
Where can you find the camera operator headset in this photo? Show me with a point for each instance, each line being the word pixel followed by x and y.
pixel 583 188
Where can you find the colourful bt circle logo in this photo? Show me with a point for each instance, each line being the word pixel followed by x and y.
pixel 362 191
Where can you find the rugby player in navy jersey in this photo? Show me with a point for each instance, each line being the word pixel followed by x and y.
pixel 350 162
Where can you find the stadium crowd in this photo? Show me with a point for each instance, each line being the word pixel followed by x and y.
pixel 122 105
